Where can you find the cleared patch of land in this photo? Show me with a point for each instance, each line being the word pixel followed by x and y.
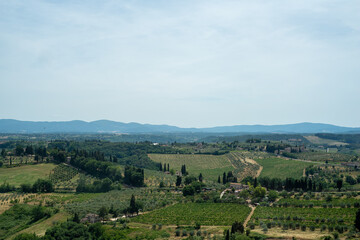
pixel 282 168
pixel 210 166
pixel 317 140
pixel 25 174
pixel 210 214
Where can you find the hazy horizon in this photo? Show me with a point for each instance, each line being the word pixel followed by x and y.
pixel 186 127
pixel 186 64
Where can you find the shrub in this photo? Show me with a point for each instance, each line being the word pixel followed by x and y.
pixel 303 227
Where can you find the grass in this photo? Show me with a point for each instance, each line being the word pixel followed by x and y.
pixel 25 174
pixel 209 214
pixel 210 166
pixel 282 168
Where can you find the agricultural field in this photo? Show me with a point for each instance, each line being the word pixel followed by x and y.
pixel 282 168
pixel 322 156
pixel 316 217
pixel 120 199
pixel 25 173
pixel 211 166
pixel 211 214
pixel 153 178
pixel 342 202
pixel 245 166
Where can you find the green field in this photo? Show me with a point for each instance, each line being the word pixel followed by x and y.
pixel 282 168
pixel 25 174
pixel 210 166
pixel 210 214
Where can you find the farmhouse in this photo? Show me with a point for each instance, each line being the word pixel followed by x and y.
pixel 239 186
pixel 90 218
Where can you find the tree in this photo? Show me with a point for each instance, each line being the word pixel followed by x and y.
pixel 164 167
pixel 255 182
pixel 339 184
pixel 357 220
pixel 273 195
pixel 237 227
pixel 19 150
pixel 219 180
pixel 200 177
pixel 3 153
pixel 224 178
pixel 29 150
pixel 76 218
pixel 188 190
pixel 178 181
pixel 103 212
pixel 189 180
pixel 161 185
pixel 259 192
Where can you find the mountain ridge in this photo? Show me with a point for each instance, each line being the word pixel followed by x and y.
pixel 108 126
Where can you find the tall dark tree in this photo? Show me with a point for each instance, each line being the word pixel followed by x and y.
pixel 132 204
pixel 168 168
pixel 357 220
pixel 339 184
pixel 224 178
pixel 255 182
pixel 178 181
pixel 227 236
pixel 3 153
pixel 219 180
pixel 200 177
pixel 103 212
pixel 76 218
pixel 164 167
pixel 160 167
pixel 29 150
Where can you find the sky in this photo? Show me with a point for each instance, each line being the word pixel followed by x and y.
pixel 185 63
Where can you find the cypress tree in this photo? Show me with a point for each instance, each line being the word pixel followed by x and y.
pixel 224 178
pixel 200 177
pixel 357 220
pixel 219 179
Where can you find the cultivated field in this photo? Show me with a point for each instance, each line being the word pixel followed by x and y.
pixel 210 166
pixel 316 217
pixel 210 214
pixel 282 168
pixel 25 173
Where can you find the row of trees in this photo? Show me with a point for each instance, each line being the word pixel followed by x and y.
pixel 293 184
pixel 229 177
pixel 40 186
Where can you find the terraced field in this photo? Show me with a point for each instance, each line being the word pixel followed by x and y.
pixel 210 166
pixel 282 168
pixel 210 214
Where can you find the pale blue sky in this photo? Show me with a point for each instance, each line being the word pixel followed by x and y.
pixel 185 63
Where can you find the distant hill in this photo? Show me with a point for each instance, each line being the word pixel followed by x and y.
pixel 106 126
